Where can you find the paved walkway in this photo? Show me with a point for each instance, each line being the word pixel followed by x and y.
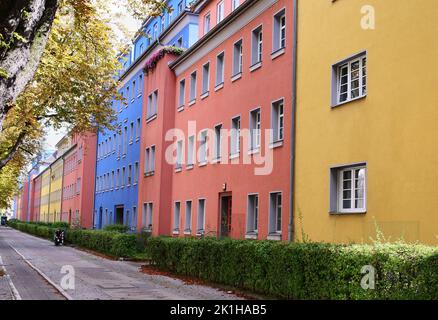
pixel 95 278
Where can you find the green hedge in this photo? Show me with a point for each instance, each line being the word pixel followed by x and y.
pixel 116 228
pixel 303 270
pixel 110 243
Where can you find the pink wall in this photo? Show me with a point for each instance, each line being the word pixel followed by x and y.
pixel 157 188
pixel 78 180
pixel 255 89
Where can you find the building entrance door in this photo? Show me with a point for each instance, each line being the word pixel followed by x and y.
pixel 226 202
pixel 119 215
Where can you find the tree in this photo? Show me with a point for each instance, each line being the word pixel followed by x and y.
pixel 66 75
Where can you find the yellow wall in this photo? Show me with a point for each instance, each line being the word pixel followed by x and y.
pixel 45 193
pixel 394 129
pixel 56 190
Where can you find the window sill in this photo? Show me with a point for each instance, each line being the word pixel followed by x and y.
pixel 278 53
pixel 219 87
pixel 200 233
pixel 235 156
pixel 139 96
pixel 276 144
pixel 254 151
pixel 349 101
pixel 187 232
pixel 358 212
pixel 180 109
pixel 216 160
pixel 202 164
pixel 205 95
pixel 151 118
pixel 148 174
pixel 251 236
pixel 131 142
pixel 178 170
pixel 126 120
pixel 255 66
pixel 192 102
pixel 132 101
pixel 137 139
pixel 190 167
pixel 274 237
pixel 236 77
pixel 175 232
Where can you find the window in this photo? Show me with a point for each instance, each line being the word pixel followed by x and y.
pixel 179 155
pixel 278 121
pixel 170 14
pixel 191 151
pixel 140 85
pixel 257 45
pixel 182 93
pixel 220 66
pixel 152 104
pixel 253 213
pixel 348 189
pixel 147 216
pixel 205 78
pixel 137 129
pixel 149 166
pixel 203 148
pixel 163 23
pixel 118 179
pixel 238 58
pixel 188 218
pixel 350 79
pixel 141 49
pixel 207 23
pixel 134 218
pixel 112 180
pixel 220 13
pixel 179 43
pixel 235 136
pixel 176 216
pixel 134 88
pixel 136 173
pixel 218 142
pixel 180 7
pixel 131 134
pixel 78 186
pixel 201 216
pixel 155 34
pixel 123 176
pixel 129 175
pixel 255 129
pixel 193 86
pixel 127 218
pixel 125 140
pixel 279 31
pixel 234 4
pixel 114 143
pixel 275 209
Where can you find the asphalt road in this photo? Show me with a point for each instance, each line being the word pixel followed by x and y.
pixel 37 270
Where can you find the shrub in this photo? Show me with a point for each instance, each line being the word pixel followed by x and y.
pixel 303 270
pixel 116 228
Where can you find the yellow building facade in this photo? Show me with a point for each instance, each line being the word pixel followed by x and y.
pixel 55 200
pixel 45 196
pixel 367 120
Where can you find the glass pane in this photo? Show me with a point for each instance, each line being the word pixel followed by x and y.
pixel 346 194
pixel 347 184
pixel 346 204
pixel 355 93
pixel 347 175
pixel 359 204
pixel 355 65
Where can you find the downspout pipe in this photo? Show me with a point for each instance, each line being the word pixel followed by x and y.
pixel 291 231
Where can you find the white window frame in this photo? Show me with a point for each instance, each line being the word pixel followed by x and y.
pixel 236 127
pixel 238 57
pixel 353 190
pixel 274 213
pixel 176 216
pixel 220 11
pixel 252 218
pixel 201 216
pixel 207 23
pixel 337 87
pixel 255 129
pixel 188 216
pixel 277 120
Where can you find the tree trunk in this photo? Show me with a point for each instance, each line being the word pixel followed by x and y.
pixel 31 20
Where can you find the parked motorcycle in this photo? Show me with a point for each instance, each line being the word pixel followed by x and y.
pixel 59 237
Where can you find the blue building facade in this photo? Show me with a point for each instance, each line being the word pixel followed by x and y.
pixel 118 154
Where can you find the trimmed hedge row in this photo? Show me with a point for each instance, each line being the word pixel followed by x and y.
pixel 114 244
pixel 303 270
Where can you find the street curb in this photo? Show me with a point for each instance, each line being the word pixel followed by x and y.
pixel 14 291
pixel 58 288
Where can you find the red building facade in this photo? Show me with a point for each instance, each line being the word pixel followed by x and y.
pixel 220 150
pixel 78 180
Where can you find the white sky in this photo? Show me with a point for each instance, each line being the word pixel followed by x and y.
pixel 121 16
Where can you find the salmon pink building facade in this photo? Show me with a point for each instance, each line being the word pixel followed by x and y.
pixel 216 159
pixel 78 180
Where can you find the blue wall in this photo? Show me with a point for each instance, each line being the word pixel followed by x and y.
pixel 109 197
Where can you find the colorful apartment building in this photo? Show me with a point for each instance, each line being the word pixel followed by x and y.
pixel 366 120
pixel 216 159
pixel 118 156
pixel 78 180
